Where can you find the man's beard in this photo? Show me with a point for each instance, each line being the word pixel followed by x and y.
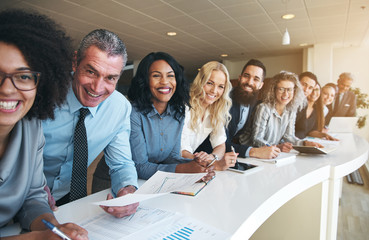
pixel 243 97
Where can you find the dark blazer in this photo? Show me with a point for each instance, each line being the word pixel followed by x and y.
pixel 345 108
pixel 232 135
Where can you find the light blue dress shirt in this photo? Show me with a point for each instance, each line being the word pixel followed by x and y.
pixel 244 112
pixel 108 130
pixel 155 141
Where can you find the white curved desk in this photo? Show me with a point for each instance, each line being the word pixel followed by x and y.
pixel 293 201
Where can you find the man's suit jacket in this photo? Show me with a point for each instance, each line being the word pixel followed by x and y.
pixel 232 135
pixel 345 108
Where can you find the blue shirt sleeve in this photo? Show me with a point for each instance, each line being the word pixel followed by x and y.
pixel 118 156
pixel 155 142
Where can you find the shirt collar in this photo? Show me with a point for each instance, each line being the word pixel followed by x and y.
pixel 154 112
pixel 277 114
pixel 75 105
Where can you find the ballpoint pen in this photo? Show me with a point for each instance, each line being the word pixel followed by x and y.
pixel 55 230
pixel 232 148
pixel 236 164
pixel 212 162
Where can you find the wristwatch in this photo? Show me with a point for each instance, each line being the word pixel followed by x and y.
pixel 215 156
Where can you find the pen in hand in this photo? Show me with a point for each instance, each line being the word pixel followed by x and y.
pixel 212 162
pixel 236 164
pixel 55 230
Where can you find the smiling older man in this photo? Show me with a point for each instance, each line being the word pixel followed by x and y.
pixel 95 118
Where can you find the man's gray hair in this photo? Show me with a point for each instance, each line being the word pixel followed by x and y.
pixel 346 75
pixel 104 40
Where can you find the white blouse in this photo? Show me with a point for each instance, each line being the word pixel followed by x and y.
pixel 191 140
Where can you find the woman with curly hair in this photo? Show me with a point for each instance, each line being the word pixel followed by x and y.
pixel 35 66
pixel 274 118
pixel 208 116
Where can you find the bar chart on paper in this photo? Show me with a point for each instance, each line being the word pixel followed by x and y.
pixel 149 223
pixel 186 228
pixel 182 233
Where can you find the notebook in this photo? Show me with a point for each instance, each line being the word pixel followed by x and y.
pixel 313 150
pixel 168 182
pixel 342 124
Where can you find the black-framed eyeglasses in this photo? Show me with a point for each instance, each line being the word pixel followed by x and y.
pixel 282 90
pixel 23 80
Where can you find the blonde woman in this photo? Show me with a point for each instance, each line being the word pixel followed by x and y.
pixel 274 119
pixel 328 95
pixel 208 116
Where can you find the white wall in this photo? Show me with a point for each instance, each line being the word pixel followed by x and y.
pixel 356 61
pixel 274 64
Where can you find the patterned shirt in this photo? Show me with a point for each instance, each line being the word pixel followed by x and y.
pixel 270 128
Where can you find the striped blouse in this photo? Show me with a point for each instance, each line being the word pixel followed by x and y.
pixel 270 128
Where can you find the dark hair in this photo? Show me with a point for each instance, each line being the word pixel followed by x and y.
pixel 318 105
pixel 139 92
pixel 104 40
pixel 257 63
pixel 47 49
pixel 309 75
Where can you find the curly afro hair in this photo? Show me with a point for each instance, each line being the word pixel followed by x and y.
pixel 47 49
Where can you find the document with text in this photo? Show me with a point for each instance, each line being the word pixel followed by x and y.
pixel 164 182
pixel 159 184
pixel 150 223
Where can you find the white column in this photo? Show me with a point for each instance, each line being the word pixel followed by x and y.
pixel 323 62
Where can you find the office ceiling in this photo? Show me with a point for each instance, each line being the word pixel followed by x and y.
pixel 208 28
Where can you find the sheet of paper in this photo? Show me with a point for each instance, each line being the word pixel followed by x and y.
pixel 282 158
pixel 128 199
pixel 181 227
pixel 164 182
pixel 108 227
pixel 149 223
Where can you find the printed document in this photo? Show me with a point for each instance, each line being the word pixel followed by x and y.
pixel 159 184
pixel 150 223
